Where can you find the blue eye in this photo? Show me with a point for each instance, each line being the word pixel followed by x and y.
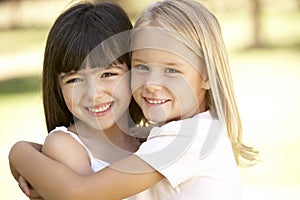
pixel 171 71
pixel 141 67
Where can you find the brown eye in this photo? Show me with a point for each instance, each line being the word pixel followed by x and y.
pixel 74 80
pixel 108 74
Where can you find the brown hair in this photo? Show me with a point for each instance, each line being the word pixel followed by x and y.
pixel 75 33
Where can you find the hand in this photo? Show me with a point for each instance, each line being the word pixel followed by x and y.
pixel 28 190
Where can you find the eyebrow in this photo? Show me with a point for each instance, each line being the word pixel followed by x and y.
pixel 167 63
pixel 137 60
pixel 170 63
pixel 116 65
pixel 71 73
pixel 113 65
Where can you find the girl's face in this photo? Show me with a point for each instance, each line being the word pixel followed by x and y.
pixel 166 86
pixel 99 97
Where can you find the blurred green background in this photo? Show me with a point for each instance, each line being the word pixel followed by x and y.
pixel 263 40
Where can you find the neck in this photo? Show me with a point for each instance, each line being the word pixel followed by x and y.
pixel 116 137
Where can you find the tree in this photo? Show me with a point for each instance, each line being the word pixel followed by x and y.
pixel 256 12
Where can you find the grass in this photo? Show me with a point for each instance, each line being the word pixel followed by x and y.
pixel 20 85
pixel 266 82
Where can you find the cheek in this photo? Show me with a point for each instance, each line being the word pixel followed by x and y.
pixel 137 82
pixel 68 98
pixel 185 94
pixel 122 88
pixel 123 85
pixel 73 95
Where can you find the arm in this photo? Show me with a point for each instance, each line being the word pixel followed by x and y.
pixel 23 184
pixel 60 146
pixel 13 171
pixel 63 183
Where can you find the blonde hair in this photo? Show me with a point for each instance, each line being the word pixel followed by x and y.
pixel 193 21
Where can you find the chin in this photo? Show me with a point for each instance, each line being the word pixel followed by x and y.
pixel 157 120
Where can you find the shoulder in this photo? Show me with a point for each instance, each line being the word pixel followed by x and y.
pixel 62 147
pixel 58 142
pixel 186 127
pixel 63 135
pixel 57 138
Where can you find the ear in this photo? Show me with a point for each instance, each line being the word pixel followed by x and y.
pixel 206 84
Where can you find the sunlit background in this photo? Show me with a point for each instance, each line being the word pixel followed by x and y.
pixel 263 40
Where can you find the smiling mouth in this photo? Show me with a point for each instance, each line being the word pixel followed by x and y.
pixel 100 108
pixel 156 101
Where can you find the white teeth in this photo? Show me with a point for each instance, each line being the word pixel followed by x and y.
pixel 156 101
pixel 100 109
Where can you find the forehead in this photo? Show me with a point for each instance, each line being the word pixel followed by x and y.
pixel 164 40
pixel 94 71
pixel 157 56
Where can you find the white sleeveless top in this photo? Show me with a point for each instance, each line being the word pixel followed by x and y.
pixel 96 164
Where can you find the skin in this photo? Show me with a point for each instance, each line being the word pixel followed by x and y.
pixel 156 76
pixel 99 99
pixel 69 185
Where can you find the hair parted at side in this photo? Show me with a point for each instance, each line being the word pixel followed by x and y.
pixel 195 23
pixel 74 34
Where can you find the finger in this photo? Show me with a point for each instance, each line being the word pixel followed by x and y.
pixel 36 198
pixel 24 185
pixel 34 195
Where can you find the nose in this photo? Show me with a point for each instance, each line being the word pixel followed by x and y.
pixel 95 89
pixel 152 87
pixel 153 81
pixel 149 81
